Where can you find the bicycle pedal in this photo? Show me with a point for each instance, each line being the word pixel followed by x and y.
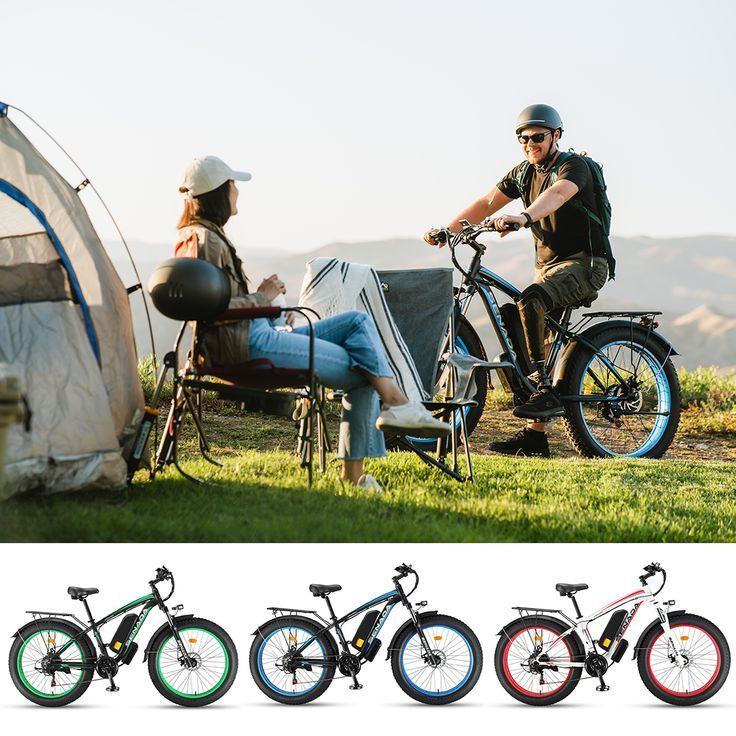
pixel 357 686
pixel 112 689
pixel 602 688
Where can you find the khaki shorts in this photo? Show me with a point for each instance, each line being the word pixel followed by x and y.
pixel 571 281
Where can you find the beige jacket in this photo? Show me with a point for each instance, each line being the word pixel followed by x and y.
pixel 226 344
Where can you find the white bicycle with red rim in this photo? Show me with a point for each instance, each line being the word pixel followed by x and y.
pixel 683 659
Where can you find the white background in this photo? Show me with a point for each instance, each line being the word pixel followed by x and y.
pixel 233 584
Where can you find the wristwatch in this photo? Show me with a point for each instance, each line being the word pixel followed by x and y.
pixel 529 221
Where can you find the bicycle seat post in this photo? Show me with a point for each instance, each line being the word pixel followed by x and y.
pixel 578 613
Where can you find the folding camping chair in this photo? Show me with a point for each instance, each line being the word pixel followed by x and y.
pixel 252 384
pixel 422 305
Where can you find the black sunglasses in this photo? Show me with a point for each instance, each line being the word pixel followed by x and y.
pixel 534 137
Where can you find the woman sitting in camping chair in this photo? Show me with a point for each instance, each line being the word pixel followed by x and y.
pixel 348 352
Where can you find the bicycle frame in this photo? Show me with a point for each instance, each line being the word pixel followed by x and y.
pixel 478 278
pixel 390 599
pixel 146 602
pixel 638 597
pixel 483 283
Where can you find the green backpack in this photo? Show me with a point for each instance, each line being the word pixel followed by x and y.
pixel 602 215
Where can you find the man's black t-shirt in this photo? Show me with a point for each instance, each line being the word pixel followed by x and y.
pixel 565 231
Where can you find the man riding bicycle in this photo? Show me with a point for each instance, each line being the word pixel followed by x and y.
pixel 570 265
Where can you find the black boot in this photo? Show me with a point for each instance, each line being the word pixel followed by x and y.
pixel 526 443
pixel 544 403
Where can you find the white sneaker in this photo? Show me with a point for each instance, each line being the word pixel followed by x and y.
pixel 369 483
pixel 412 419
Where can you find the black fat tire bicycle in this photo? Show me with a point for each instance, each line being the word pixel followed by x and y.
pixel 191 661
pixel 435 659
pixel 682 658
pixel 613 370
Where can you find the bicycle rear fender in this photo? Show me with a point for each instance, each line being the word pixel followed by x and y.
pixel 160 630
pixel 407 625
pixel 42 623
pixel 656 624
pixel 650 336
pixel 300 619
pixel 541 620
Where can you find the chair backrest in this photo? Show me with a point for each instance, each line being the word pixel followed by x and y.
pixel 421 301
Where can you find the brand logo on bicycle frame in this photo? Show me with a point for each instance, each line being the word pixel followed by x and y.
pixel 628 620
pixel 379 623
pixel 141 618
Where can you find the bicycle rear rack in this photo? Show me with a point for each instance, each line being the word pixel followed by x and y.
pixel 278 611
pixel 38 614
pixel 531 611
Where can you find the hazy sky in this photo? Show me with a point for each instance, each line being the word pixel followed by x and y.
pixel 378 119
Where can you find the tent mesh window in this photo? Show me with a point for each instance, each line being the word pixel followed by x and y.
pixel 30 269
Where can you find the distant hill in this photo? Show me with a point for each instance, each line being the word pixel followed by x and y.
pixel 692 280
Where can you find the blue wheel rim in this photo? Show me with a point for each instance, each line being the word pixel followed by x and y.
pixel 267 680
pixel 664 403
pixel 421 687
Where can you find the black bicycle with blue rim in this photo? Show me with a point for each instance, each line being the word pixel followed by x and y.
pixel 612 369
pixel 436 659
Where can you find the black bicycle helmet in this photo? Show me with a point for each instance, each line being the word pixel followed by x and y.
pixel 542 115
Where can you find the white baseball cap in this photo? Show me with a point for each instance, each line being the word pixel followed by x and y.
pixel 206 173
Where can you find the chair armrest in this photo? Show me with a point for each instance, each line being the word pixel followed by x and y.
pixel 245 313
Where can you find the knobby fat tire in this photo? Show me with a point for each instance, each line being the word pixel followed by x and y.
pixel 222 688
pixel 558 627
pixel 33 628
pixel 687 619
pixel 285 622
pixel 573 422
pixel 475 647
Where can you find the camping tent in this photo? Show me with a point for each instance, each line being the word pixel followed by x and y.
pixel 65 331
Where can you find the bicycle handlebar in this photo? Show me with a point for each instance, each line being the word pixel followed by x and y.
pixel 651 570
pixel 163 574
pixel 404 570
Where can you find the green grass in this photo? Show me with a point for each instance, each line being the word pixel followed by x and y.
pixel 263 497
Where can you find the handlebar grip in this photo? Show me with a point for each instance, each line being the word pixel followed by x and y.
pixel 441 237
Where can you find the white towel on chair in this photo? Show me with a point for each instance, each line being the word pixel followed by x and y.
pixel 332 286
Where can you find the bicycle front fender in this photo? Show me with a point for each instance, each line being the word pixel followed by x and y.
pixel 409 624
pixel 160 630
pixel 578 343
pixel 656 624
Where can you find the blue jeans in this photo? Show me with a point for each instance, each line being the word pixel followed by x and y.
pixel 346 347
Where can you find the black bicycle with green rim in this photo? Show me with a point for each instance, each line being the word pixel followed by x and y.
pixel 191 661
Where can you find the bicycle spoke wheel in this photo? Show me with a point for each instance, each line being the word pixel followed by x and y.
pixel 641 412
pixel 280 672
pixel 41 647
pixel 534 659
pixel 520 653
pixel 445 673
pixel 688 667
pixel 200 674
pixel 41 671
pixel 273 658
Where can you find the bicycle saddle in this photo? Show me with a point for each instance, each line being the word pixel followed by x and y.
pixel 79 594
pixel 567 588
pixel 323 590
